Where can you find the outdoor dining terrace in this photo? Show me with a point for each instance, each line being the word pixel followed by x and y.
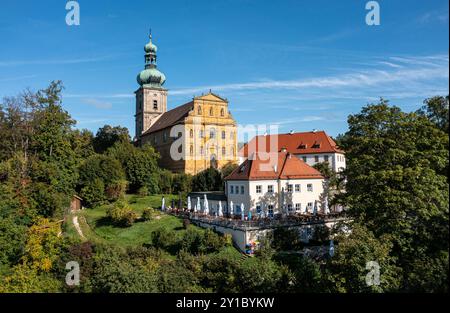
pixel 256 222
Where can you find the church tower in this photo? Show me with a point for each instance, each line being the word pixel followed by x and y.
pixel 151 97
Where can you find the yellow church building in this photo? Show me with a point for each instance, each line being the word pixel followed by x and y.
pixel 189 138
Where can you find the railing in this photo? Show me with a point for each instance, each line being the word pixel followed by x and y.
pixel 257 222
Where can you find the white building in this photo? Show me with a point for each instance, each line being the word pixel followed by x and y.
pixel 311 147
pixel 285 185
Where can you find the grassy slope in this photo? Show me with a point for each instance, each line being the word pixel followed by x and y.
pixel 138 233
pixel 97 229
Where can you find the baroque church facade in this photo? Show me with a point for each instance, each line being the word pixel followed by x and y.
pixel 189 138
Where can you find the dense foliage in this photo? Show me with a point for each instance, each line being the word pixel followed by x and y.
pixel 396 190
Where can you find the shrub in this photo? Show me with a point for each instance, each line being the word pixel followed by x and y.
pixel 93 193
pixel 116 190
pixel 285 239
pixel 182 183
pixel 192 240
pixel 148 214
pixel 121 214
pixel 207 180
pixel 186 223
pixel 212 241
pixel 143 191
pixel 163 238
pixel 196 241
pixel 228 239
pixel 165 181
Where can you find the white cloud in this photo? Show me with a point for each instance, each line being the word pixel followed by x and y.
pixel 418 69
pixel 54 62
pixel 433 16
pixel 98 103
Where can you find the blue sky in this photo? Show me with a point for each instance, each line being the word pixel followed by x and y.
pixel 298 64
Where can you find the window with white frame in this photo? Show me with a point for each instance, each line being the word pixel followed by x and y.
pixel 270 188
pixel 242 190
pixel 258 188
pixel 309 187
pixel 316 158
pixel 326 158
pixel 270 210
pixel 258 208
pixel 231 189
pixel 297 187
pixel 289 188
pixel 289 207
pixel 298 207
pixel 304 159
pixel 309 206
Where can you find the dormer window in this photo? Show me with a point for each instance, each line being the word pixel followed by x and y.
pixel 316 145
pixel 155 104
pixel 303 146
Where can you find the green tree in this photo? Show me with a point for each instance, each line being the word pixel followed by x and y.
pixel 140 165
pixel 346 270
pixel 395 184
pixel 107 136
pixel 436 110
pixel 208 180
pixel 227 169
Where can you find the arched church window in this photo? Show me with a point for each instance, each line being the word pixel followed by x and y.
pixel 199 110
pixel 191 150
pixel 191 133
pixel 211 111
pixel 212 133
pixel 223 151
pixel 223 134
pixel 222 112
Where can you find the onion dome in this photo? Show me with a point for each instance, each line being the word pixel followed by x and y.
pixel 151 76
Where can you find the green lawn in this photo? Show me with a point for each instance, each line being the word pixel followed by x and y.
pixel 97 228
pixel 139 233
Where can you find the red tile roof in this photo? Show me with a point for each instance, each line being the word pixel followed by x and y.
pixel 284 166
pixel 296 143
pixel 170 118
